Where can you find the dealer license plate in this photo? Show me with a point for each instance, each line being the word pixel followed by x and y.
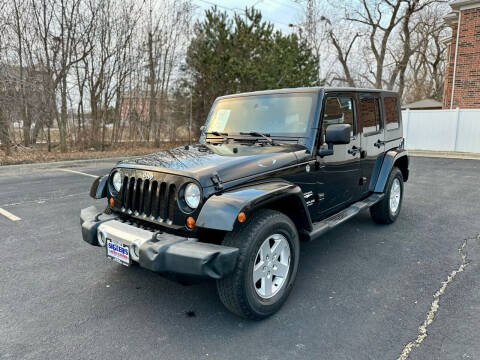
pixel 118 252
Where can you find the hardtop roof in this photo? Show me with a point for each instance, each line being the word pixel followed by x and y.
pixel 306 90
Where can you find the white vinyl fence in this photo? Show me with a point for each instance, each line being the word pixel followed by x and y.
pixel 442 130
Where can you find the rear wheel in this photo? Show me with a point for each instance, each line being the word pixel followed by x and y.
pixel 266 265
pixel 386 211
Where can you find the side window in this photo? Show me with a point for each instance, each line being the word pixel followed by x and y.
pixel 338 110
pixel 390 107
pixel 369 111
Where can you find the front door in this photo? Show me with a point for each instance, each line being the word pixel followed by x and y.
pixel 337 184
pixel 372 135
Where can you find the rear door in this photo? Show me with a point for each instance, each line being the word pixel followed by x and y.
pixel 372 137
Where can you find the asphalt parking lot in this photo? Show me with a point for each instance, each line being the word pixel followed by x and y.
pixel 363 291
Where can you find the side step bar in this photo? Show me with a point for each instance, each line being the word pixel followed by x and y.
pixel 321 227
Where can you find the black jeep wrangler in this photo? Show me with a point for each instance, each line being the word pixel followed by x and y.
pixel 271 168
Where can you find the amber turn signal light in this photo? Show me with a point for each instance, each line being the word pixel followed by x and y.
pixel 241 217
pixel 190 222
pixel 111 202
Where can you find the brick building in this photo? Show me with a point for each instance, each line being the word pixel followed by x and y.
pixel 137 104
pixel 462 76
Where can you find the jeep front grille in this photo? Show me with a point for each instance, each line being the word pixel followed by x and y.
pixel 150 199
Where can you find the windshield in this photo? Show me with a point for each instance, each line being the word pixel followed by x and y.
pixel 276 114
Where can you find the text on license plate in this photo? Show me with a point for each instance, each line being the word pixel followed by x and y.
pixel 118 252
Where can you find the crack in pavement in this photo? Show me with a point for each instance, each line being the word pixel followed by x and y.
pixel 422 329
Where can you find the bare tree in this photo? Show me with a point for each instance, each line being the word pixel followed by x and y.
pixel 376 41
pixel 19 29
pixel 108 40
pixel 425 73
pixel 4 125
pixel 314 28
pixel 342 54
pixel 378 19
pixel 411 24
pixel 165 38
pixel 61 26
pixel 94 66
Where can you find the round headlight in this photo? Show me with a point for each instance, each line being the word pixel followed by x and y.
pixel 117 181
pixel 192 195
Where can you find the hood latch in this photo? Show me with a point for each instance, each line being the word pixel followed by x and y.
pixel 217 182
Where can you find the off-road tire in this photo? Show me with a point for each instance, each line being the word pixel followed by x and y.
pixel 236 291
pixel 381 212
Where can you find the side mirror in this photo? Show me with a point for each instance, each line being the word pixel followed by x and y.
pixel 338 134
pixel 335 135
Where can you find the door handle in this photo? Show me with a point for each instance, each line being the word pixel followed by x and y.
pixel 378 143
pixel 354 150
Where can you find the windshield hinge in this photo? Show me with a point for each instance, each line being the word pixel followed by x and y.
pixel 217 182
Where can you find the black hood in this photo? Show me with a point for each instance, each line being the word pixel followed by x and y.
pixel 229 161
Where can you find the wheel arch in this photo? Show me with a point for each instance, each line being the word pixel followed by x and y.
pixel 220 211
pixel 98 190
pixel 402 164
pixel 292 207
pixel 393 158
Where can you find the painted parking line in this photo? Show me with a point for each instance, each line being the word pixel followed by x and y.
pixel 9 215
pixel 77 172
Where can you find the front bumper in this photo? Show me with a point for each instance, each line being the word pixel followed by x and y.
pixel 159 251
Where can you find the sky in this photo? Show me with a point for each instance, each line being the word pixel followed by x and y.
pixel 279 12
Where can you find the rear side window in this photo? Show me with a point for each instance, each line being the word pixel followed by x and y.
pixel 369 111
pixel 392 120
pixel 338 110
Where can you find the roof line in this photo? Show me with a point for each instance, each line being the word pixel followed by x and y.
pixel 305 90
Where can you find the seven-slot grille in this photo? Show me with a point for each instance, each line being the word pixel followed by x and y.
pixel 148 198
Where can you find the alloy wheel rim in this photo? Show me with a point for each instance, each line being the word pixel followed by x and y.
pixel 395 195
pixel 272 266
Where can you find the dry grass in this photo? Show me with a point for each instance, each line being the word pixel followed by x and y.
pixel 39 153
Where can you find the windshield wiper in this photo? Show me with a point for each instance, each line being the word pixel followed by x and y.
pixel 256 133
pixel 216 133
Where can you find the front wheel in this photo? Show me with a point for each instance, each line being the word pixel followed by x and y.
pixel 266 266
pixel 386 211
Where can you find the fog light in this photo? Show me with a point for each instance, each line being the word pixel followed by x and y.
pixel 241 217
pixel 190 222
pixel 101 238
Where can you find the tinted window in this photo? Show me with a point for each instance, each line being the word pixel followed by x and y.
pixel 369 111
pixel 338 110
pixel 390 106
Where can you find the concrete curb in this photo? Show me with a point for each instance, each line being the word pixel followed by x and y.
pixel 74 163
pixel 445 154
pixel 59 164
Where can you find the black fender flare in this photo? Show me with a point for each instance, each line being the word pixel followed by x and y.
pixel 389 160
pixel 220 211
pixel 98 190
